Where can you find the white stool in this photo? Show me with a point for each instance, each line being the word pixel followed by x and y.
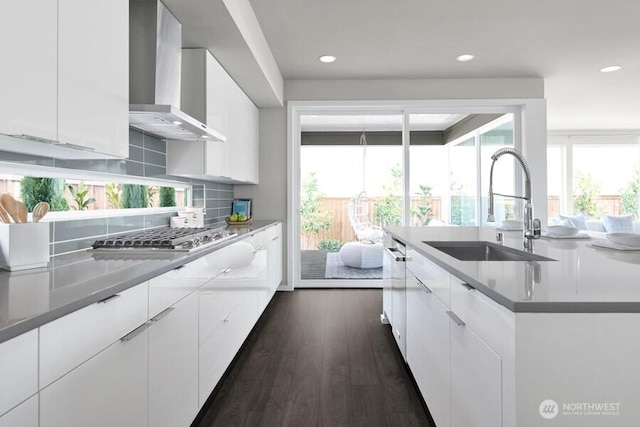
pixel 361 255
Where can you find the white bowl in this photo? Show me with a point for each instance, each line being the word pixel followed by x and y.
pixel 510 224
pixel 562 230
pixel 625 239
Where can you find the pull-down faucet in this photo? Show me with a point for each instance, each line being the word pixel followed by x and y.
pixel 531 226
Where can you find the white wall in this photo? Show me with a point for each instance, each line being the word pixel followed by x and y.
pixel 270 196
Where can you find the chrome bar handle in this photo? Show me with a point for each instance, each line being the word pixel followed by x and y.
pixel 109 299
pixel 137 331
pixel 455 318
pixel 162 314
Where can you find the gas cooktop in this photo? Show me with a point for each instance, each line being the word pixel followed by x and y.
pixel 165 239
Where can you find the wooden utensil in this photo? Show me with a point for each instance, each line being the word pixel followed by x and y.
pixel 22 211
pixel 4 216
pixel 10 206
pixel 40 210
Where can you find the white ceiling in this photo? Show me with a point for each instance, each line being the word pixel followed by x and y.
pixel 564 41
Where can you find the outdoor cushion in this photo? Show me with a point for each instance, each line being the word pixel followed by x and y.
pixel 578 221
pixel 618 223
pixel 361 255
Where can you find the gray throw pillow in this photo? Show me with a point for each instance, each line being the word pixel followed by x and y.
pixel 578 221
pixel 618 223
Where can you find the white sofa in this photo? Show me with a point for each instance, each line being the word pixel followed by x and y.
pixel 596 227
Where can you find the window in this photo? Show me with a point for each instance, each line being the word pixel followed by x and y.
pixel 593 175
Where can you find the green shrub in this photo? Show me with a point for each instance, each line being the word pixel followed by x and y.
pixel 329 245
pixel 167 197
pixel 51 190
pixel 133 196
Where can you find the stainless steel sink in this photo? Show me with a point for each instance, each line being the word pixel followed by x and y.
pixel 483 251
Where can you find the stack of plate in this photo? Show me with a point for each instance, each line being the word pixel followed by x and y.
pixel 625 239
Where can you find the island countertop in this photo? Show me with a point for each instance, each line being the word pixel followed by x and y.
pixel 31 298
pixel 580 278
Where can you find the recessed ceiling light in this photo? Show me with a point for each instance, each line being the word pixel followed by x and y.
pixel 610 68
pixel 204 136
pixel 327 59
pixel 464 58
pixel 177 122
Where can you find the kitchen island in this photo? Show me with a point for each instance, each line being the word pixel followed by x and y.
pixel 523 343
pixel 150 334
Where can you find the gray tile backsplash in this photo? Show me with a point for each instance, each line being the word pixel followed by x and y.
pixel 147 158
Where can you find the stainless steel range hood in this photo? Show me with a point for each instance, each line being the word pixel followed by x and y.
pixel 155 56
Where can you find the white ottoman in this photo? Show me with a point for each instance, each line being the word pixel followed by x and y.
pixel 361 255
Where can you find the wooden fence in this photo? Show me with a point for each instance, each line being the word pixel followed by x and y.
pixel 342 230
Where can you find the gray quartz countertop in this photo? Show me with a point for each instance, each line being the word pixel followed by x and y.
pixel 31 298
pixel 580 279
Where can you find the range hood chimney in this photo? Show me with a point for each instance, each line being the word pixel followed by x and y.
pixel 155 57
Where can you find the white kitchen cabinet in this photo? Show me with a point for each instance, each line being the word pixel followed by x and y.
pixel 72 339
pixel 428 354
pixel 228 309
pixel 243 137
pixel 18 370
pixel 24 415
pixel 173 364
pixel 110 389
pixel 224 107
pixel 28 76
pixel 170 287
pixel 399 302
pixel 93 75
pixel 65 74
pixel 476 380
pixel 274 257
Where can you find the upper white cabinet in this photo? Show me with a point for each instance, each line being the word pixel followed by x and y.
pixel 210 95
pixel 28 75
pixel 65 75
pixel 93 74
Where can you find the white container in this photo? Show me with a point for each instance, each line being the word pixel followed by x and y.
pixel 24 246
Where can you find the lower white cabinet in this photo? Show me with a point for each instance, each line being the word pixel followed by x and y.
pixel 476 381
pixel 274 257
pixel 228 309
pixel 173 364
pixel 18 370
pixel 24 415
pixel 170 287
pixel 428 353
pixel 110 389
pixel 70 340
pixel 452 336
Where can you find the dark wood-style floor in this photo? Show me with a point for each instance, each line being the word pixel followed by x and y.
pixel 318 358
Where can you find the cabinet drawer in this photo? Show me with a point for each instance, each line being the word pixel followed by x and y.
pixel 24 415
pixel 18 370
pixel 109 390
pixel 492 322
pixel 431 275
pixel 215 263
pixel 219 349
pixel 170 287
pixel 67 342
pixel 215 304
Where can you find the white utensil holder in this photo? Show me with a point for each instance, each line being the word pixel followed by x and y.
pixel 24 246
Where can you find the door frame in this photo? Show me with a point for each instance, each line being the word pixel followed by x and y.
pixel 530 132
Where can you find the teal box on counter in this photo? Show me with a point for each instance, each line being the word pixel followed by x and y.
pixel 24 246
